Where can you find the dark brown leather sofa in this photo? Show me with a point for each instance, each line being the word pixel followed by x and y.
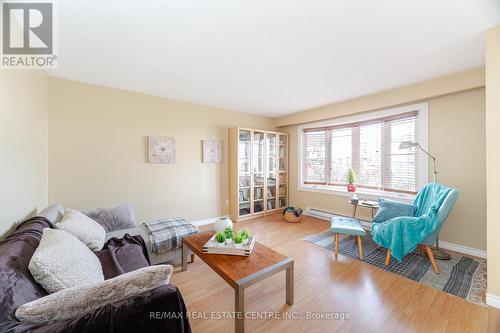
pixel 147 312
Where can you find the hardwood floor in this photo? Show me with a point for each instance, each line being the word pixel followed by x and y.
pixel 376 301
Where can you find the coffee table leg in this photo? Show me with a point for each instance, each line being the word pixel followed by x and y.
pixel 239 308
pixel 289 284
pixel 184 257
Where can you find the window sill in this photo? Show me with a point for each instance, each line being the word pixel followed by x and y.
pixel 362 193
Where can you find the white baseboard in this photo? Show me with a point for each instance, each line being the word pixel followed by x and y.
pixel 493 300
pixel 211 220
pixel 326 215
pixel 463 249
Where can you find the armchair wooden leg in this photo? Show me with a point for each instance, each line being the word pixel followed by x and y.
pixel 360 247
pixel 431 258
pixel 388 257
pixel 336 244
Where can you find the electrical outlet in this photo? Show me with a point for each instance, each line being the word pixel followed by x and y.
pixel 227 202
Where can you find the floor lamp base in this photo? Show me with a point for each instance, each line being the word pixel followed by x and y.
pixel 440 254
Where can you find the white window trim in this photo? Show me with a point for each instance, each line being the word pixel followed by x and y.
pixel 423 123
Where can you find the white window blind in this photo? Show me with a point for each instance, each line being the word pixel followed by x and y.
pixel 402 167
pixel 315 157
pixel 371 148
pixel 340 153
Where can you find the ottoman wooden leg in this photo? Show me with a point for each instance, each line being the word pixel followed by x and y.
pixel 337 236
pixel 360 247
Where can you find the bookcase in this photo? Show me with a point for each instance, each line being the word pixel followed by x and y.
pixel 258 172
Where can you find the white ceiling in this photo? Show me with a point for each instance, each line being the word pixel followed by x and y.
pixel 269 57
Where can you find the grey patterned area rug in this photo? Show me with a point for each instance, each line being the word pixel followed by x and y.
pixel 461 276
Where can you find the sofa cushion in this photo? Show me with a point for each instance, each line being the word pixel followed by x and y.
pixel 78 301
pixel 61 261
pixel 17 285
pixel 120 217
pixel 390 209
pixel 122 255
pixel 53 213
pixel 84 228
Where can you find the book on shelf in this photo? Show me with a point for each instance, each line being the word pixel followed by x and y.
pixel 271 181
pixel 282 202
pixel 282 178
pixel 244 181
pixel 243 195
pixel 244 136
pixel 271 204
pixel 244 210
pixel 282 165
pixel 257 136
pixel 282 151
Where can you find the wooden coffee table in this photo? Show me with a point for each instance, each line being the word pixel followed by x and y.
pixel 241 272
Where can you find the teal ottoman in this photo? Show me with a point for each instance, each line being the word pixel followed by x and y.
pixel 347 226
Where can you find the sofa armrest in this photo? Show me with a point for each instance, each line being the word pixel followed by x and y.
pixel 146 312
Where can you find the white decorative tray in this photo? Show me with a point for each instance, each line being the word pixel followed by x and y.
pixel 229 249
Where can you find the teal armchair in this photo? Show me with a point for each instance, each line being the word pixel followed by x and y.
pixel 401 235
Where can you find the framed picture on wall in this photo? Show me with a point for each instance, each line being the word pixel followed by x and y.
pixel 161 149
pixel 212 151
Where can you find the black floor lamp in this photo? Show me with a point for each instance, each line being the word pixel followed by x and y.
pixel 438 253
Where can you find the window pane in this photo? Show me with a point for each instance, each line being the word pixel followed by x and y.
pixel 403 173
pixel 340 155
pixel 371 148
pixel 314 157
pixel 370 155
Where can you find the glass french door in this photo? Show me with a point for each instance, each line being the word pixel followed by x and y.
pixel 258 162
pixel 271 170
pixel 244 152
pixel 283 171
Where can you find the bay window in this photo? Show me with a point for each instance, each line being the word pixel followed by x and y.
pixel 369 144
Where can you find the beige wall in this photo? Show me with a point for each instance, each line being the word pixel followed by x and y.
pixel 493 158
pixel 23 145
pixel 456 137
pixel 98 147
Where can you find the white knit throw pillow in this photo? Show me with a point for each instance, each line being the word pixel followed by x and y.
pixel 84 228
pixel 61 261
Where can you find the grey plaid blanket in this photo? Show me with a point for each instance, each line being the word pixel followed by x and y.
pixel 167 234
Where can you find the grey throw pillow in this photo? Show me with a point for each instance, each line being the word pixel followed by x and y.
pixel 120 217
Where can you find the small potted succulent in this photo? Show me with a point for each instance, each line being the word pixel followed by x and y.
pixel 238 239
pixel 351 181
pixel 220 237
pixel 245 235
pixel 228 232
